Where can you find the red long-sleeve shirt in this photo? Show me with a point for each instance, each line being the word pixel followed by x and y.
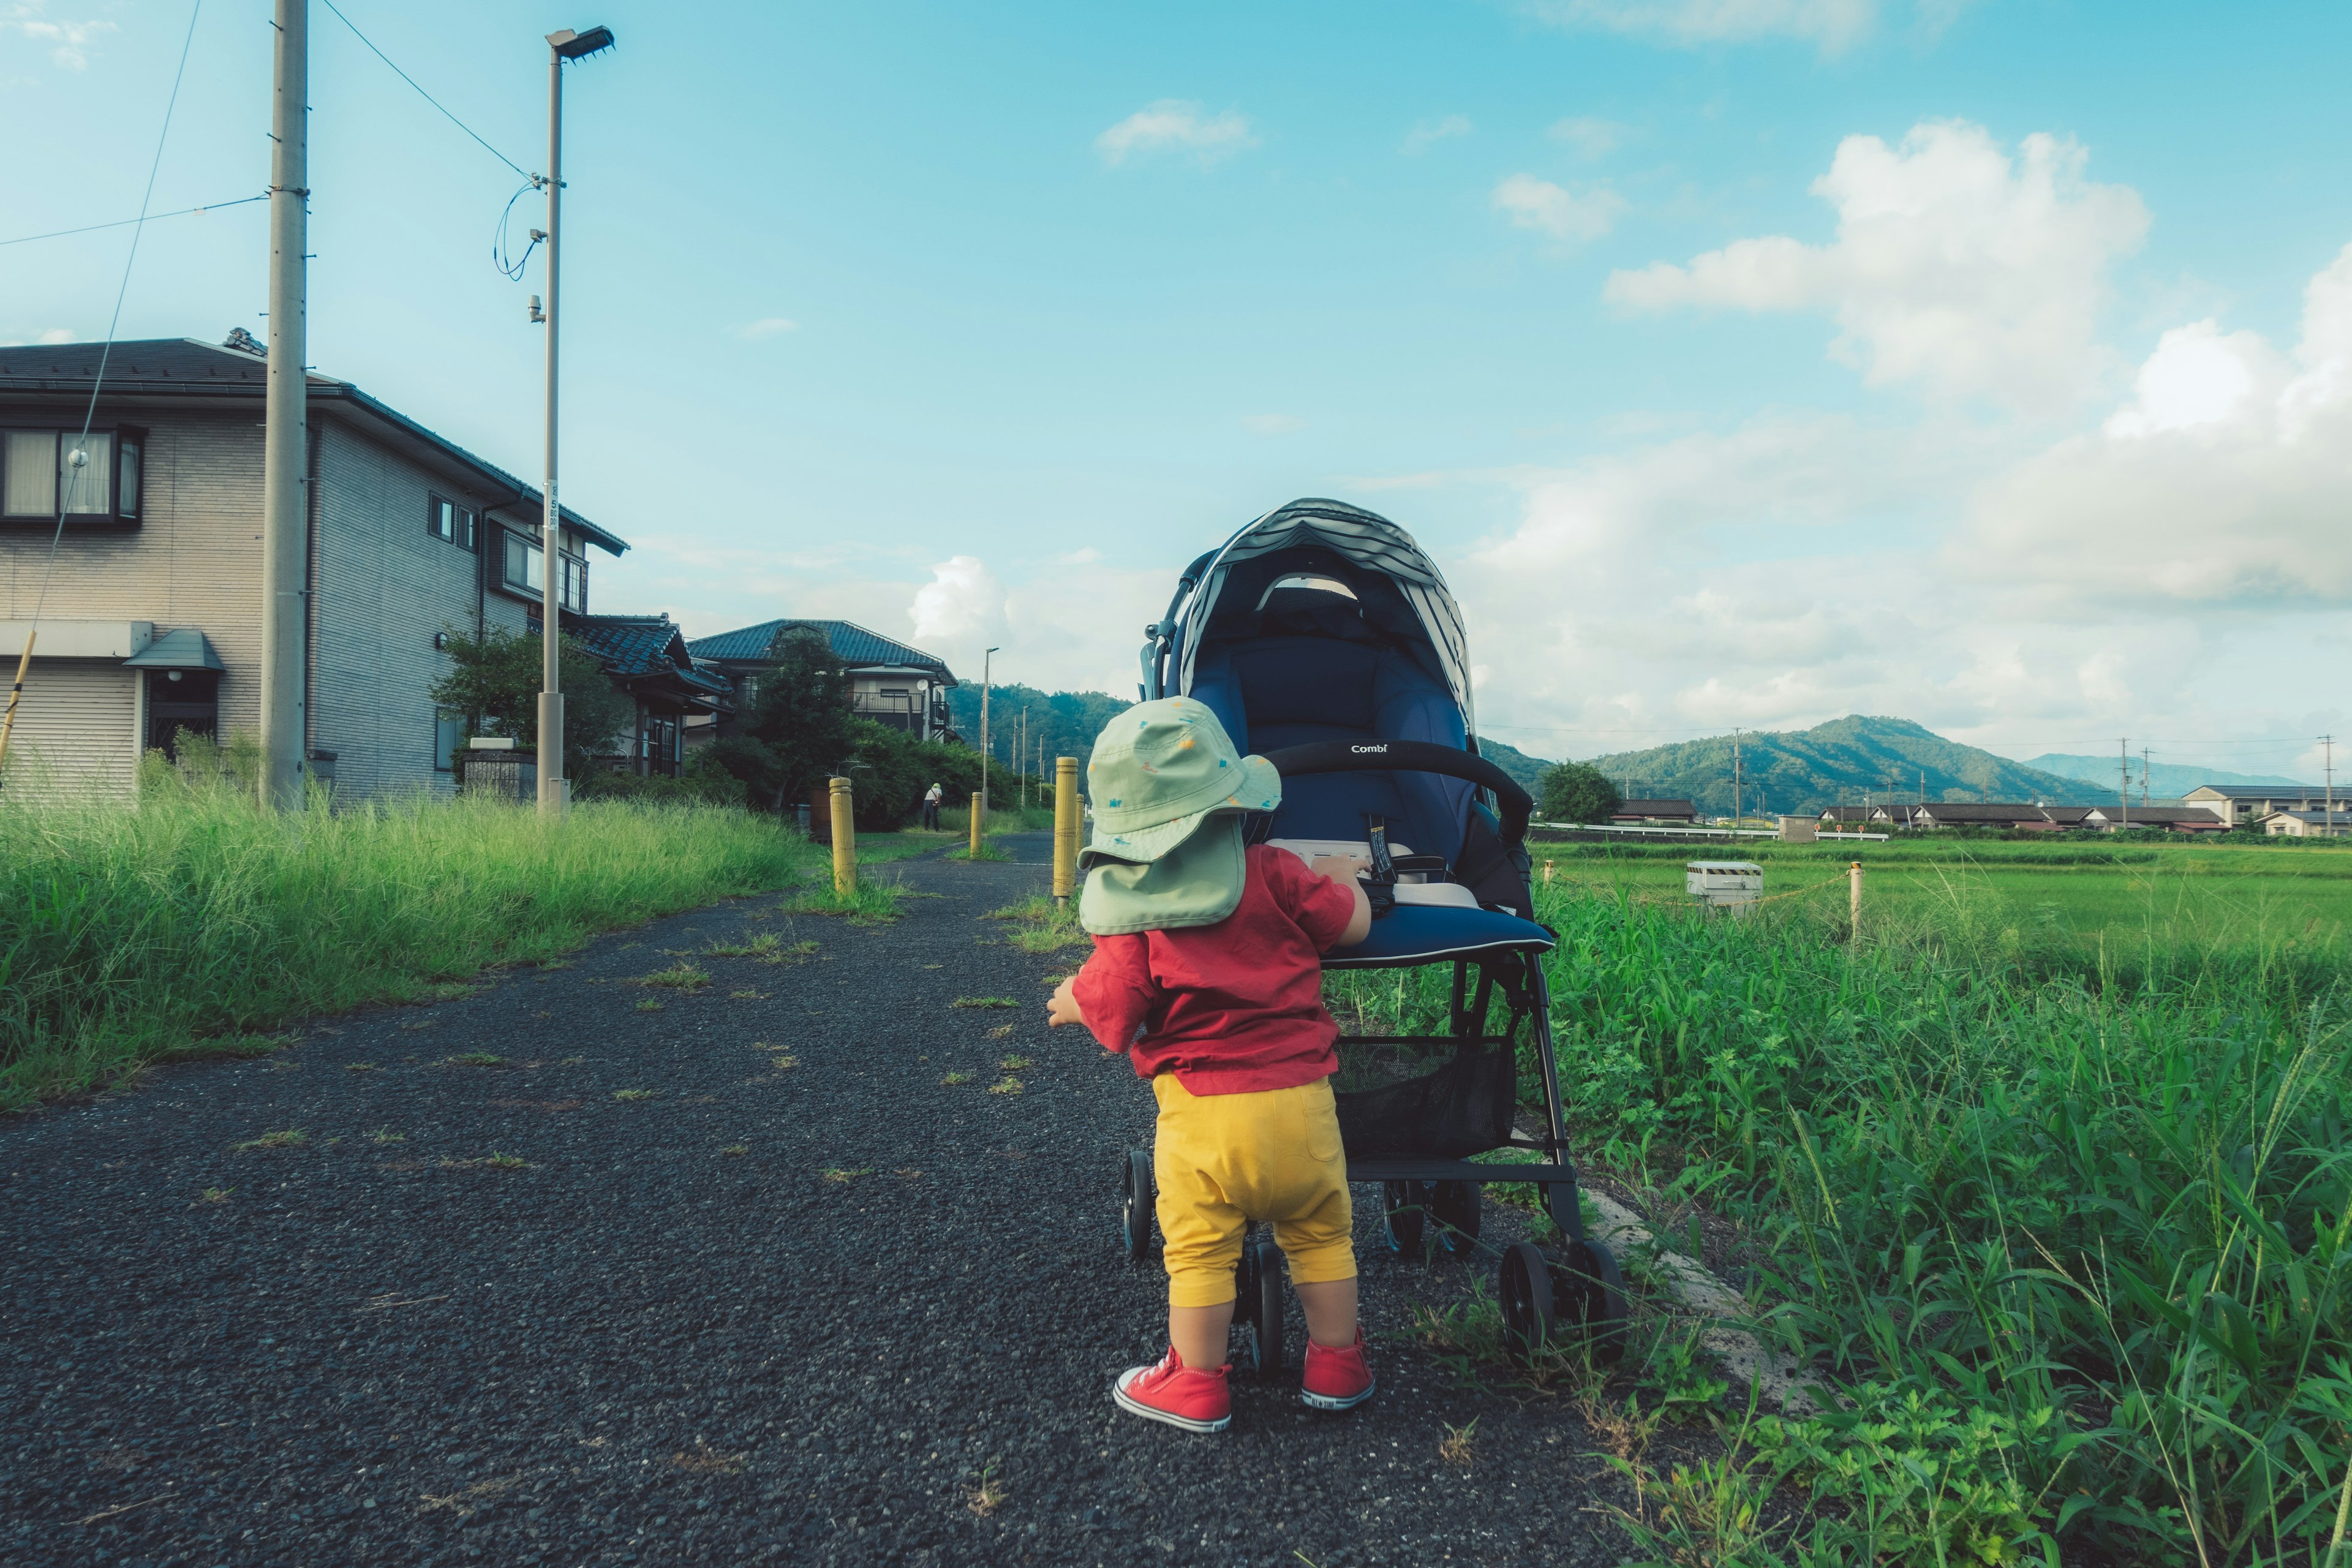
pixel 1230 1008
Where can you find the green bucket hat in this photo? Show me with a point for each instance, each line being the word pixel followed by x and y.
pixel 1162 773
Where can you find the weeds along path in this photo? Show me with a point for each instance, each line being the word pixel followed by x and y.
pixel 580 1269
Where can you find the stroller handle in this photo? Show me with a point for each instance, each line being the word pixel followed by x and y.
pixel 1412 757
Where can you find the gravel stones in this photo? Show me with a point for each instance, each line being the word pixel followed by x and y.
pixel 884 1332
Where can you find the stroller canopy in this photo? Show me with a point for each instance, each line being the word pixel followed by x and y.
pixel 1303 530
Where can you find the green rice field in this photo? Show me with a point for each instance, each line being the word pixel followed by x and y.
pixel 2045 1174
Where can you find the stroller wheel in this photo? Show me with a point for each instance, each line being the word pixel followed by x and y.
pixel 1138 1198
pixel 1257 1308
pixel 1404 1204
pixel 1526 1289
pixel 1588 1287
pixel 1457 1208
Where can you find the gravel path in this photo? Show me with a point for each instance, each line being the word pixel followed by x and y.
pixel 794 1299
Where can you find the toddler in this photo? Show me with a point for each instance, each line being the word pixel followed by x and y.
pixel 1207 972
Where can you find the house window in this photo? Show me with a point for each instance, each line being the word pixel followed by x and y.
pixel 448 734
pixel 46 472
pixel 447 519
pixel 523 563
pixel 180 699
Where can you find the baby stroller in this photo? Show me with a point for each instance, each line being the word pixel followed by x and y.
pixel 1326 641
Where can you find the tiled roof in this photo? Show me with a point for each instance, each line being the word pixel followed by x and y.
pixel 642 645
pixel 850 643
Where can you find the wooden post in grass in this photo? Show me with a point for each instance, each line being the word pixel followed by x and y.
pixel 1066 826
pixel 845 839
pixel 1854 902
pixel 979 815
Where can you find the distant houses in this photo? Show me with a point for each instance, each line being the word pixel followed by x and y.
pixel 1665 813
pixel 889 682
pixel 2256 803
pixel 2020 819
pixel 2317 823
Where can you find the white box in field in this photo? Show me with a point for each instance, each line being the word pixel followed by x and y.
pixel 1723 881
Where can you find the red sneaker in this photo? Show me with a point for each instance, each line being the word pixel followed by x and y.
pixel 1336 1380
pixel 1179 1394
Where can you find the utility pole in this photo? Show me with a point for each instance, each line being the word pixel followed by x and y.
pixel 986 659
pixel 1024 758
pixel 554 789
pixel 1734 778
pixel 2328 815
pixel 2143 778
pixel 285 444
pixel 2125 821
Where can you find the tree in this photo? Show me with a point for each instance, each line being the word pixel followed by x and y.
pixel 799 729
pixel 493 682
pixel 1577 792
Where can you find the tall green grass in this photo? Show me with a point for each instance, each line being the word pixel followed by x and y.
pixel 128 934
pixel 2076 1247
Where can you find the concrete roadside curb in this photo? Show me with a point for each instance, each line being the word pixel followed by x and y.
pixel 1743 1356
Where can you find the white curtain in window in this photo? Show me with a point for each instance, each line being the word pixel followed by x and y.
pixel 87 487
pixel 30 459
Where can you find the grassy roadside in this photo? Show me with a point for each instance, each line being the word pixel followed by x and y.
pixel 2075 1246
pixel 194 923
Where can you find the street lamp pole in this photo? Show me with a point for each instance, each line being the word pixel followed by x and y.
pixel 554 789
pixel 985 662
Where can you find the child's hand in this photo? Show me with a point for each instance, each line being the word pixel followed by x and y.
pixel 1063 1008
pixel 1342 868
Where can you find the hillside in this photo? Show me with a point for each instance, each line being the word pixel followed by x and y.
pixel 1836 764
pixel 2169 780
pixel 1066 723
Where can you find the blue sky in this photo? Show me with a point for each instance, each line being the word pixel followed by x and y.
pixel 1743 361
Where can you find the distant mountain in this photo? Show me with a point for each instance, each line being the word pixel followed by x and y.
pixel 1529 771
pixel 1833 764
pixel 2170 780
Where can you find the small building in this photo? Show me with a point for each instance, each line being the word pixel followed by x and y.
pixel 1668 813
pixel 2254 803
pixel 1971 813
pixel 2317 823
pixel 646 657
pixel 2172 818
pixel 2068 818
pixel 889 682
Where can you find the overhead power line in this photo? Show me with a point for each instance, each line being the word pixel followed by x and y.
pixel 428 97
pixel 127 222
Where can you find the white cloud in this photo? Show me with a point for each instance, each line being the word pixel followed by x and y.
pixel 1590 137
pixel 1833 24
pixel 2223 480
pixel 1176 124
pixel 55 335
pixel 1956 267
pixel 963 603
pixel 766 327
pixel 1567 216
pixel 1418 139
pixel 1273 424
pixel 68 41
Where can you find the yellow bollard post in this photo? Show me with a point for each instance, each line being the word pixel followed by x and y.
pixel 845 839
pixel 979 815
pixel 1066 827
pixel 1854 902
pixel 1547 870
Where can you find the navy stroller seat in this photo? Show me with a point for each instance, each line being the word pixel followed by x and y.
pixel 1326 641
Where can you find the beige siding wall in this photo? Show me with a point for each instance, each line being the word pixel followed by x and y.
pixel 381 587
pixel 77 728
pixel 194 561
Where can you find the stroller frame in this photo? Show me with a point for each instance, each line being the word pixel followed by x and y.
pixel 1542 1297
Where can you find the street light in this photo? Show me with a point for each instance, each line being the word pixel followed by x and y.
pixel 554 790
pixel 985 661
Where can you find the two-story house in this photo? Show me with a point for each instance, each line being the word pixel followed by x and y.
pixel 889 682
pixel 149 615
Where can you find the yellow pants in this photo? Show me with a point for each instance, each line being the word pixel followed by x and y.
pixel 1222 1160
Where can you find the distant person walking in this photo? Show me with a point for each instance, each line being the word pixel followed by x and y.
pixel 931 807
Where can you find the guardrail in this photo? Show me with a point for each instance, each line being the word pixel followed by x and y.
pixel 1662 831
